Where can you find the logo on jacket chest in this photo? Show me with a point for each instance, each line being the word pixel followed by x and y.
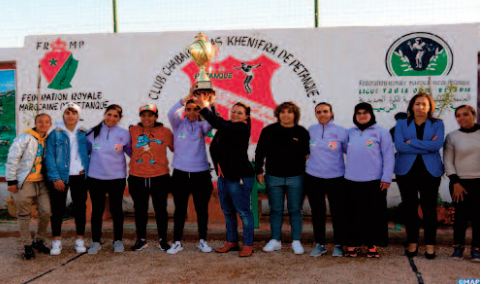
pixel 369 142
pixel 332 145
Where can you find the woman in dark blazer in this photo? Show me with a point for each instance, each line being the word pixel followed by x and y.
pixel 418 140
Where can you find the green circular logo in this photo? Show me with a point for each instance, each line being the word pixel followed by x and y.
pixel 419 54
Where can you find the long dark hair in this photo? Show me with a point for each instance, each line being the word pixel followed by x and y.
pixel 96 129
pixel 432 104
pixel 247 110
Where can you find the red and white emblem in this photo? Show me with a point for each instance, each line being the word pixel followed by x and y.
pixel 250 84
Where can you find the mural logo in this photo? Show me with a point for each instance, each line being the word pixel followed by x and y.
pixel 249 75
pixel 419 54
pixel 58 66
pixel 243 86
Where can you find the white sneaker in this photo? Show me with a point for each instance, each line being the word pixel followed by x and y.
pixel 297 247
pixel 175 248
pixel 94 248
pixel 80 246
pixel 203 246
pixel 56 247
pixel 118 246
pixel 272 245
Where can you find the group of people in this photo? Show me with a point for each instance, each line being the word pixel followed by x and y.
pixel 352 167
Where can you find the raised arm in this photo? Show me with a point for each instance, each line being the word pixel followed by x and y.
pixel 175 114
pixel 213 119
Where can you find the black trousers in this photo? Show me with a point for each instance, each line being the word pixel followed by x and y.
pixel 366 214
pixel 78 191
pixel 158 188
pixel 316 190
pixel 419 188
pixel 465 211
pixel 99 189
pixel 200 186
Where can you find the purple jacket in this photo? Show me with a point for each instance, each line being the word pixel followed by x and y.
pixel 107 160
pixel 327 146
pixel 189 144
pixel 370 155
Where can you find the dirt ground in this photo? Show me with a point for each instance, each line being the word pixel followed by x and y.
pixel 192 266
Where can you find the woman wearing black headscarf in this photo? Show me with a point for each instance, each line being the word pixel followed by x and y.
pixel 369 169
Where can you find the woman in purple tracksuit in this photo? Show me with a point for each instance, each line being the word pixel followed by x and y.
pixel 107 172
pixel 369 170
pixel 325 176
pixel 191 170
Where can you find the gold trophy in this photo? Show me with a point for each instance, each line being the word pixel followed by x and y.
pixel 202 51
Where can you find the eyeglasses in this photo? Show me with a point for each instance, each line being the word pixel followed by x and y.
pixel 192 109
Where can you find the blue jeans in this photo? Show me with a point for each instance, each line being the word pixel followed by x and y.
pixel 234 198
pixel 277 188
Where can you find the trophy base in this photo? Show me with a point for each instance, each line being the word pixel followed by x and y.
pixel 203 85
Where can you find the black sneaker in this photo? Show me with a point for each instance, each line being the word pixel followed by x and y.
pixel 139 245
pixel 39 245
pixel 458 252
pixel 430 255
pixel 163 245
pixel 29 253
